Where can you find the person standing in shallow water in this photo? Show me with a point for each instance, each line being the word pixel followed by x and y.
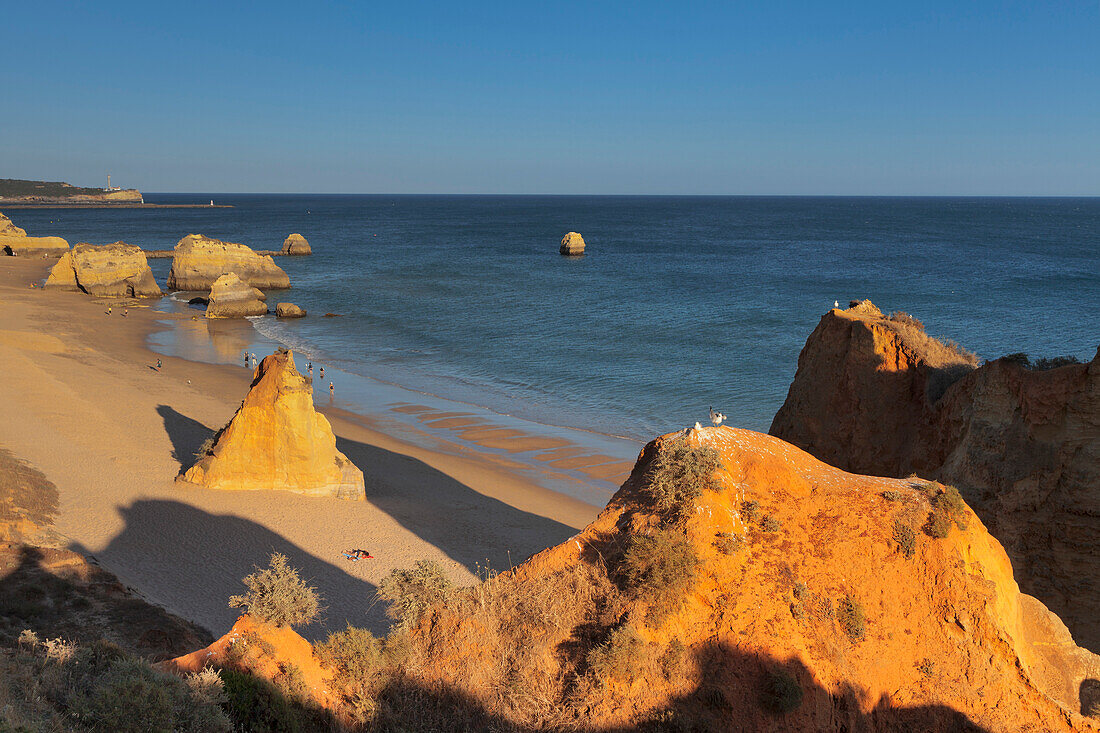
pixel 311 369
pixel 331 391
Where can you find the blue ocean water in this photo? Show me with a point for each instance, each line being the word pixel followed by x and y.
pixel 680 303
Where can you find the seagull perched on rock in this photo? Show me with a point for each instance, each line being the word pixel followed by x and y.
pixel 836 303
pixel 716 417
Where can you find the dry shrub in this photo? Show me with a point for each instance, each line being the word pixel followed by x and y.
pixel 276 595
pixel 672 659
pixel 905 537
pixel 728 543
pixel 352 654
pixel 893 495
pixel 933 352
pixel 770 524
pixel 905 318
pixel 660 568
pixel 938 525
pixel 750 510
pixel 679 474
pixel 947 507
pixel 412 591
pixel 850 614
pixel 622 656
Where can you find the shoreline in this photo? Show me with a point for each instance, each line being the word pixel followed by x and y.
pixel 85 404
pixel 55 205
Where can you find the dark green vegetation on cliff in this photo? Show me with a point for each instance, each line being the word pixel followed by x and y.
pixel 16 188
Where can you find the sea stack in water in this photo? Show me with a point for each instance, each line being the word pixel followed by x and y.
pixel 14 241
pixel 278 441
pixel 572 245
pixel 296 244
pixel 199 261
pixel 231 297
pixel 289 310
pixel 117 270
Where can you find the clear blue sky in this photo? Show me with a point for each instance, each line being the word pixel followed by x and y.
pixel 771 97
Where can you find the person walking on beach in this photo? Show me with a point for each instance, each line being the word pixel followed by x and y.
pixel 125 312
pixel 108 310
pixel 158 365
pixel 331 391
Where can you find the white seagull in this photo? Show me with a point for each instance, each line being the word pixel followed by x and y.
pixel 836 303
pixel 716 417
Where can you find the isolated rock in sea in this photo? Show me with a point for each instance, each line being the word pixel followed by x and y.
pixel 7 229
pixel 276 440
pixel 876 395
pixel 199 261
pixel 231 297
pixel 296 244
pixel 289 310
pixel 790 595
pixel 572 244
pixel 110 271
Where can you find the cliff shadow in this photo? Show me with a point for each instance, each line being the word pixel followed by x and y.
pixel 192 561
pixel 471 528
pixel 55 594
pixel 740 691
pixel 187 434
pixel 1090 697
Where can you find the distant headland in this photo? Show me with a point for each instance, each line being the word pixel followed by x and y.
pixel 16 193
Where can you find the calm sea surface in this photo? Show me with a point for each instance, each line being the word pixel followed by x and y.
pixel 681 303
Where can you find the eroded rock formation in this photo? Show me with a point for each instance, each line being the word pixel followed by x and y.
pixel 14 241
pixel 111 270
pixel 1022 445
pixel 296 244
pixel 276 440
pixel 787 595
pixel 199 261
pixel 231 297
pixel 289 310
pixel 572 245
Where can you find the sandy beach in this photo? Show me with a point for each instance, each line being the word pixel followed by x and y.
pixel 81 399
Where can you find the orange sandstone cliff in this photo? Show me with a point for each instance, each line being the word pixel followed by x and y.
pixel 876 395
pixel 785 595
pixel 276 440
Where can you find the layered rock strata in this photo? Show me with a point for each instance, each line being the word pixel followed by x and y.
pixel 199 260
pixel 231 297
pixel 110 270
pixel 276 440
pixel 1022 445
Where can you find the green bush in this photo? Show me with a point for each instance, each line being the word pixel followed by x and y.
pixel 253 704
pixel 660 567
pixel 782 693
pixel 679 474
pixel 276 595
pixel 620 657
pixel 905 537
pixel 950 501
pixel 412 591
pixel 353 654
pixel 849 612
pixel 129 697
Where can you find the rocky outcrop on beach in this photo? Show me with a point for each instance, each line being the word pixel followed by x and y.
pixel 231 297
pixel 14 241
pixel 276 440
pixel 115 270
pixel 296 244
pixel 572 245
pixel 7 229
pixel 1022 444
pixel 199 261
pixel 734 577
pixel 289 310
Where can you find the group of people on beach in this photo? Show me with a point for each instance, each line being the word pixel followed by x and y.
pixel 251 358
